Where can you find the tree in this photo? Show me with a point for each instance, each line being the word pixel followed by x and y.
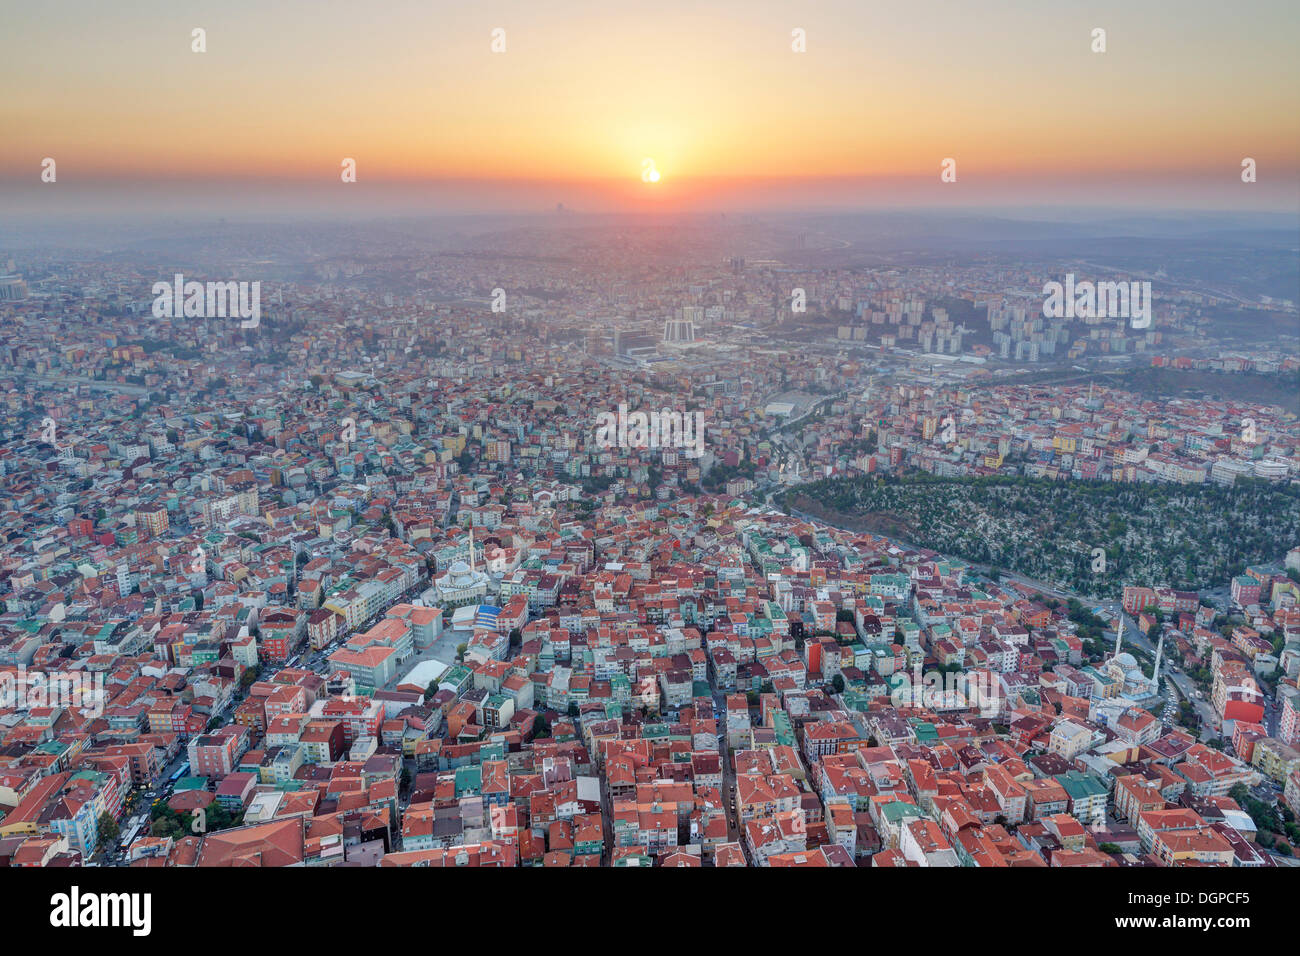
pixel 837 682
pixel 167 826
pixel 109 832
pixel 215 817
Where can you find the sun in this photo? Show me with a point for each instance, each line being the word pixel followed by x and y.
pixel 649 172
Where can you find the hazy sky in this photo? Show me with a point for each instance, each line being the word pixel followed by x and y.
pixel 712 92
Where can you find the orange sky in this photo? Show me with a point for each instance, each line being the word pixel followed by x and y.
pixel 414 93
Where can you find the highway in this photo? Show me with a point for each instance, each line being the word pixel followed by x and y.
pixel 117 387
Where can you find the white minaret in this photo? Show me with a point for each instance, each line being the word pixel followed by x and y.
pixel 471 549
pixel 1119 633
pixel 1160 650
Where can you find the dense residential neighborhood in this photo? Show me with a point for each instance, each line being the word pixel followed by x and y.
pixel 723 434
pixel 362 588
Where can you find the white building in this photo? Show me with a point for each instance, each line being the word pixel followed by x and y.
pixel 460 585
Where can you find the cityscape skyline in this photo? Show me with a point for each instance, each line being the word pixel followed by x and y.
pixel 575 435
pixel 729 113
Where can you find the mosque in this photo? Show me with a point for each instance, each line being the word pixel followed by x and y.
pixel 1123 669
pixel 463 583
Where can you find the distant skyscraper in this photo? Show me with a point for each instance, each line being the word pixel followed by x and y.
pixel 633 343
pixel 12 287
pixel 679 330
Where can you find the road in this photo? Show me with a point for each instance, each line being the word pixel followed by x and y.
pixel 117 387
pixel 1186 687
pixel 728 772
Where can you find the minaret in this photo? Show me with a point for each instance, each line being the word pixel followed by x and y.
pixel 471 549
pixel 1160 650
pixel 1119 634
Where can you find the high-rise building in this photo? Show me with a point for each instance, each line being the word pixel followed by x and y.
pixel 627 342
pixel 679 330
pixel 12 288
